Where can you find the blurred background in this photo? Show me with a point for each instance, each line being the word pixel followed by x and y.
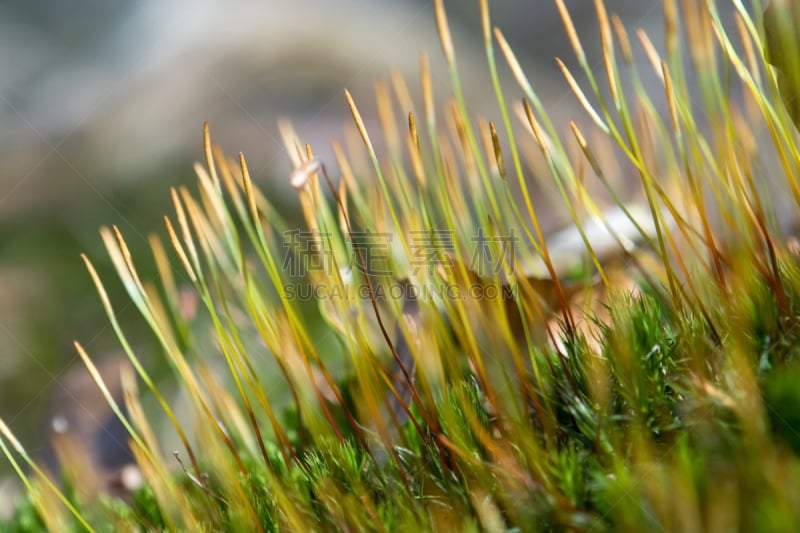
pixel 101 112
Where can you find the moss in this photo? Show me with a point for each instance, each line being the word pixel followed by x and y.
pixel 647 384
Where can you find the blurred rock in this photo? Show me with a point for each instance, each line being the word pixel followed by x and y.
pixel 86 440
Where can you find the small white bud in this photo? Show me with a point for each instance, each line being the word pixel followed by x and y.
pixel 303 173
pixel 347 275
pixel 131 478
pixel 60 424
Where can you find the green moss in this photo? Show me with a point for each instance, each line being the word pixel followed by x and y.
pixel 654 391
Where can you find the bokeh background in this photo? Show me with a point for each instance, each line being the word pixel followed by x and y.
pixel 101 112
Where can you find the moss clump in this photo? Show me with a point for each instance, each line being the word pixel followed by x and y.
pixel 418 355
